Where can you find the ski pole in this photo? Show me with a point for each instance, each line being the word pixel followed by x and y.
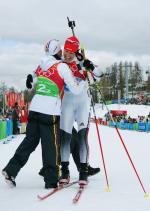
pixel 126 150
pixel 98 134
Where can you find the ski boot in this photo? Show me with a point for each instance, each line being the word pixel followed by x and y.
pixel 92 171
pixel 83 175
pixel 50 185
pixel 42 172
pixel 10 180
pixel 65 175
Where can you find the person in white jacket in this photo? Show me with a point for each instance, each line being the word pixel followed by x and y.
pixel 44 113
pixel 75 108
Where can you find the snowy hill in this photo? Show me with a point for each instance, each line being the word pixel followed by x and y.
pixel 125 193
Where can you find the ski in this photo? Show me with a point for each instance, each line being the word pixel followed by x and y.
pixel 79 193
pixel 60 187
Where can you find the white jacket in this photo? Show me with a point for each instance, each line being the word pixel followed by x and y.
pixel 52 105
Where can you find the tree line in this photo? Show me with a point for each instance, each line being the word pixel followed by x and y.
pixel 120 77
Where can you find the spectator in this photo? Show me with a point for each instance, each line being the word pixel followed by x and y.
pixel 15 118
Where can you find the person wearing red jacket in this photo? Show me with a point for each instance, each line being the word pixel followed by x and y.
pixel 75 108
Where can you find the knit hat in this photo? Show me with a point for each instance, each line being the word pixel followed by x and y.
pixel 72 44
pixel 52 47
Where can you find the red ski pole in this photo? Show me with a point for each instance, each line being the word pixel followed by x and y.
pixel 126 150
pixel 98 134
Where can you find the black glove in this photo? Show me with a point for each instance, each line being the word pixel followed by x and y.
pixel 29 81
pixel 79 56
pixel 101 75
pixel 88 65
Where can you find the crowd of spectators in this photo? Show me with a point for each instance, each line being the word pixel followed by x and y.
pixel 128 119
pixel 139 101
pixel 6 114
pixel 16 114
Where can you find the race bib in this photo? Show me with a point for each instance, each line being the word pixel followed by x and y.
pixel 46 87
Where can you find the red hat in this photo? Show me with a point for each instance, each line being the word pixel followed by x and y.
pixel 72 44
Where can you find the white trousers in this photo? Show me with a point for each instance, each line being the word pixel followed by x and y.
pixel 75 108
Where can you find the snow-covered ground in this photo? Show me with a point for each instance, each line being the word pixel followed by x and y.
pixel 132 110
pixel 125 193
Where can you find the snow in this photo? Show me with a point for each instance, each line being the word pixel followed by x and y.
pixel 126 193
pixel 132 110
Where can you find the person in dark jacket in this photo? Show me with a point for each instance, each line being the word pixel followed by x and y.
pixel 15 118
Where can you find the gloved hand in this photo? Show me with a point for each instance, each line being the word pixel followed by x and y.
pixel 101 75
pixel 29 81
pixel 79 56
pixel 88 65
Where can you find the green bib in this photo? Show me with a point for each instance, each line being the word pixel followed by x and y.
pixel 45 86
